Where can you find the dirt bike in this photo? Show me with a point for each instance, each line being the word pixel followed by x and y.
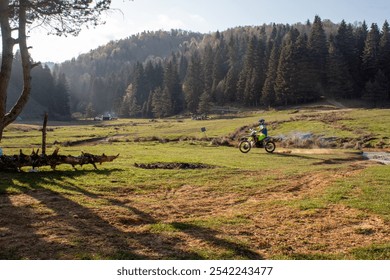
pixel 252 141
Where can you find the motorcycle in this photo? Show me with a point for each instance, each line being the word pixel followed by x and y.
pixel 252 141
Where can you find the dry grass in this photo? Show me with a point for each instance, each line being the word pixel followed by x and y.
pixel 293 204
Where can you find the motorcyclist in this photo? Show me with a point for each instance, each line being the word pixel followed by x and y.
pixel 263 132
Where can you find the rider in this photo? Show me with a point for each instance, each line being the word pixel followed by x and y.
pixel 263 132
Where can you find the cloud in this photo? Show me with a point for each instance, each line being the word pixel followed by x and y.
pixel 198 23
pixel 164 22
pixel 57 49
pixel 118 25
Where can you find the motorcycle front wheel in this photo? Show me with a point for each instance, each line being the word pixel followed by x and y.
pixel 244 146
pixel 270 146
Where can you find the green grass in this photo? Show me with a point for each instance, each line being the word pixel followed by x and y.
pixel 370 191
pixel 190 214
pixel 374 252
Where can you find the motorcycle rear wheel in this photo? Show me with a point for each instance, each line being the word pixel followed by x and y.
pixel 270 146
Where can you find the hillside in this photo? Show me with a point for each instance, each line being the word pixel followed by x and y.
pixel 165 73
pixel 101 76
pixel 261 66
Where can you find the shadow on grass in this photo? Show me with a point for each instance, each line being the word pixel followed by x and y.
pixel 211 237
pixel 289 155
pixel 327 161
pixel 40 221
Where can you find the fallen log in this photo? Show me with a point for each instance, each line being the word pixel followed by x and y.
pixel 35 160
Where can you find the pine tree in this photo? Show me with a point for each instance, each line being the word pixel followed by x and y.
pixel 318 53
pixel 345 43
pixel 207 65
pixel 182 67
pixel 204 103
pixel 371 53
pixel 340 82
pixel 193 86
pixel 376 91
pixel 140 89
pixel 284 87
pixel 230 85
pixel 43 85
pixel 90 111
pixel 173 88
pixel 61 106
pixel 259 73
pixel 157 103
pixel 268 96
pixel 161 103
pixel 358 75
pixel 245 93
pixel 154 75
pixel 98 95
pixel 130 106
pixel 346 49
pixel 220 69
pixel 384 53
pixel 135 109
pixel 360 35
pixel 302 78
pixel 252 76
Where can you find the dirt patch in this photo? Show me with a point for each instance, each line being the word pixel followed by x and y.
pixel 93 140
pixel 329 117
pixel 173 165
pixel 23 127
pixel 89 141
pixel 317 151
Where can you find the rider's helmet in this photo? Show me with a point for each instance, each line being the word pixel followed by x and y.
pixel 261 121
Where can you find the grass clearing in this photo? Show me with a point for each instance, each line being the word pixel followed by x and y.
pixel 293 204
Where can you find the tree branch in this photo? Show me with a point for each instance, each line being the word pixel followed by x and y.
pixel 35 64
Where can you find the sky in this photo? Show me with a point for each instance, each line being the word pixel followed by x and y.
pixel 127 18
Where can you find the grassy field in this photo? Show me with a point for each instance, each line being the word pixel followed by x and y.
pixel 293 204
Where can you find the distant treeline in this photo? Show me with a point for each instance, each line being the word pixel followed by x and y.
pixel 159 74
pixel 49 92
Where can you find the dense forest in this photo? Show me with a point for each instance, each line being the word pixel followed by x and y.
pixel 160 74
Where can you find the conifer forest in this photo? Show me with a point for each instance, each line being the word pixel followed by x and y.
pixel 165 73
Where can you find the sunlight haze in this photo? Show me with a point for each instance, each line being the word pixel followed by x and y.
pixel 127 18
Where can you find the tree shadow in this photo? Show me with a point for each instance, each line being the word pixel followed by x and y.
pixel 332 161
pixel 210 236
pixel 38 222
pixel 323 161
pixel 289 155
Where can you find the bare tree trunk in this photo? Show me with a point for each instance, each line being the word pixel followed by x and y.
pixel 8 43
pixel 6 60
pixel 26 65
